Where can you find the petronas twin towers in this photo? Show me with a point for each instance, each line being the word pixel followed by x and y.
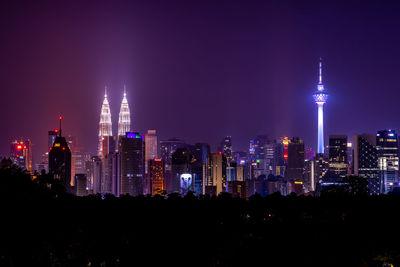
pixel 105 124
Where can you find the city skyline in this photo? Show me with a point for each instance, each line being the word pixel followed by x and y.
pixel 273 89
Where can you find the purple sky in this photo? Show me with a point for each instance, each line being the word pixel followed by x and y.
pixel 198 70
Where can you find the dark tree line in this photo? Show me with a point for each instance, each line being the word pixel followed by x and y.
pixel 44 226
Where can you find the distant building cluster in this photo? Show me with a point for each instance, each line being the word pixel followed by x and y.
pixel 134 163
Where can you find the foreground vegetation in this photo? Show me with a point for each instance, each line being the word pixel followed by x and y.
pixel 44 226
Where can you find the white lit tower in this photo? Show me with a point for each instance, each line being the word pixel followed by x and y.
pixel 124 121
pixel 320 98
pixel 105 125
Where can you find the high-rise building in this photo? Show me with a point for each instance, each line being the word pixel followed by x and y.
pixel 338 167
pixel 81 184
pixel 151 144
pixel 51 138
pixel 105 126
pixel 388 159
pixel 321 167
pixel 124 119
pixel 365 160
pixel 295 163
pixel 181 172
pixel 215 182
pixel 111 174
pixel 21 154
pixel 60 160
pixel 226 148
pixel 199 165
pixel 167 148
pixel 131 148
pixel 320 98
pixel 157 176
pixel 94 175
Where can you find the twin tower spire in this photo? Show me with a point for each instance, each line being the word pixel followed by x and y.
pixel 124 120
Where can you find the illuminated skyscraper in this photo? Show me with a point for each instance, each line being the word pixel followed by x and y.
pixel 105 125
pixel 60 160
pixel 388 160
pixel 156 174
pixel 21 154
pixel 320 98
pixel 337 156
pixel 124 120
pixel 215 182
pixel 365 160
pixel 131 147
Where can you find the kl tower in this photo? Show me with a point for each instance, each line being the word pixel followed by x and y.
pixel 320 98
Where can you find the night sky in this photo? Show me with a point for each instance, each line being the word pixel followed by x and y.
pixel 198 70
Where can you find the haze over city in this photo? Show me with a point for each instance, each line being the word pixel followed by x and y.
pixel 198 70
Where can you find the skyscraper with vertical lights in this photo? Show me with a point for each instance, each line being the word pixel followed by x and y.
pixel 320 98
pixel 105 125
pixel 124 119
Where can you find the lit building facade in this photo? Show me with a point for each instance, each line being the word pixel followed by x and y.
pixel 105 126
pixel 215 182
pixel 131 149
pixel 388 159
pixel 124 119
pixel 338 162
pixel 60 161
pixel 226 148
pixel 295 164
pixel 182 160
pixel 365 161
pixel 320 98
pixel 21 154
pixel 157 176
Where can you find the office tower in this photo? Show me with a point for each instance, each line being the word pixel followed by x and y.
pixel 231 172
pixel 279 159
pixel 257 153
pixel 157 176
pixel 320 98
pixel 79 156
pixel 321 167
pixel 131 149
pixel 181 172
pixel 167 148
pixel 366 160
pixel 388 159
pixel 60 160
pixel 105 126
pixel 350 166
pixel 108 166
pixel 94 175
pixel 51 138
pixel 215 182
pixel 151 152
pixel 111 174
pixel 81 185
pixel 21 154
pixel 295 164
pixel 285 143
pixel 226 148
pixel 337 157
pixel 199 165
pixel 151 145
pixel 309 176
pixel 124 119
